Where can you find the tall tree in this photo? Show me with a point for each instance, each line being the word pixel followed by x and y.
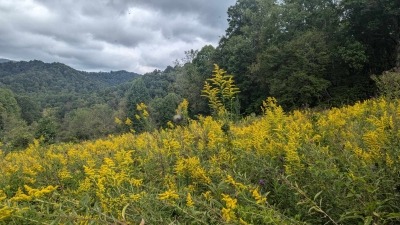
pixel 253 25
pixel 375 24
pixel 30 110
pixel 14 132
pixel 138 93
pixel 163 109
pixel 295 71
pixel 191 77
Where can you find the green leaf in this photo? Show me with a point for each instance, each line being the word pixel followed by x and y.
pixel 368 220
pixel 124 211
pixel 318 194
pixel 393 216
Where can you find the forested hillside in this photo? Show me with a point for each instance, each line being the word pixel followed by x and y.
pixel 4 60
pixel 45 81
pixel 57 102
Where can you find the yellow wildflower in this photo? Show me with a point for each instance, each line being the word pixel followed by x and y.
pixel 21 196
pixel 128 121
pixel 229 179
pixel 168 195
pixel 189 200
pixel 135 197
pixel 228 214
pixel 85 185
pixel 136 182
pixel 207 195
pixel 5 212
pixel 389 160
pixel 117 121
pixel 229 202
pixel 258 197
pixel 64 174
pixel 170 125
pixel 32 193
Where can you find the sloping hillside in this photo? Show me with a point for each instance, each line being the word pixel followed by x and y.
pixel 4 60
pixel 39 78
pixel 339 166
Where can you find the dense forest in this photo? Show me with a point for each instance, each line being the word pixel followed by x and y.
pixel 318 54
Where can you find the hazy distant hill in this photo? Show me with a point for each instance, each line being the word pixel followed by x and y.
pixel 39 78
pixel 4 60
pixel 52 84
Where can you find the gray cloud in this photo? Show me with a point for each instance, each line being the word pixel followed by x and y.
pixel 136 35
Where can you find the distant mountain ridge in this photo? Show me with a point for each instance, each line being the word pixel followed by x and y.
pixel 5 60
pixel 37 78
pixel 58 85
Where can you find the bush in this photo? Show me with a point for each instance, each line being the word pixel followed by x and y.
pixel 388 84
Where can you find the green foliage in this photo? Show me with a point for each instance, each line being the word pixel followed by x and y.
pixel 87 123
pixel 353 54
pixel 300 79
pixel 162 110
pixel 15 133
pixel 388 84
pixel 50 92
pixel 47 130
pixel 190 79
pixel 330 47
pixel 8 103
pixel 30 110
pixel 138 93
pixel 363 20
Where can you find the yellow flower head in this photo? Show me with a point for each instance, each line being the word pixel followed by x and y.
pixel 230 203
pixel 168 195
pixel 258 197
pixel 189 200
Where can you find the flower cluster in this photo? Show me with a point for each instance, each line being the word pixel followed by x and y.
pixel 334 166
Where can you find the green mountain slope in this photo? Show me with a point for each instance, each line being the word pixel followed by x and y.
pixel 58 85
pixel 38 78
pixel 4 60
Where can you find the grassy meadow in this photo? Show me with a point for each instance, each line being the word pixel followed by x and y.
pixel 338 166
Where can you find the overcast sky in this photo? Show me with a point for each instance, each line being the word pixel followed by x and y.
pixel 104 35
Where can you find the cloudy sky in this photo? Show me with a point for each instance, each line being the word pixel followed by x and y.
pixel 104 35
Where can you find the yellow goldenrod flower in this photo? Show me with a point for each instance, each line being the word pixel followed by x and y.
pixel 228 214
pixel 135 197
pixel 189 200
pixel 117 121
pixel 207 195
pixel 168 195
pixel 136 182
pixel 64 174
pixel 128 121
pixel 5 212
pixel 258 197
pixel 230 203
pixel 229 179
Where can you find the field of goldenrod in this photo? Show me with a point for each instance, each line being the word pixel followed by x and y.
pixel 339 166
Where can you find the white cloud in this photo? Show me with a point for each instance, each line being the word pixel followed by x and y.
pixel 136 35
